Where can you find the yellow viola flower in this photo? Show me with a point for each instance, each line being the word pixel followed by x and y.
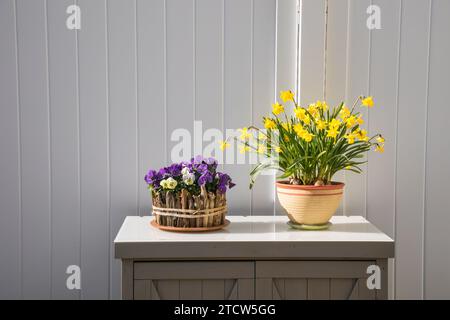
pixel 287 96
pixel 350 121
pixel 277 108
pixel 380 139
pixel 269 123
pixel 335 124
pixel 321 124
pixel 367 102
pixel 261 149
pixel 224 145
pixel 344 113
pixel 332 132
pixel 244 149
pixel 379 148
pixel 262 136
pixel 245 134
pixel 277 149
pixel 360 120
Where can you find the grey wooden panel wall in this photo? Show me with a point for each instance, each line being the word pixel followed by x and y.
pixel 84 114
pixel 403 65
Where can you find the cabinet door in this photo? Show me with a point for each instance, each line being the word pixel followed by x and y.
pixel 193 280
pixel 311 280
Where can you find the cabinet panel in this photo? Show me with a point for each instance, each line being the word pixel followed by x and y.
pixel 312 280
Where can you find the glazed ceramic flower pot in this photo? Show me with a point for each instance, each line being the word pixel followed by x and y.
pixel 310 205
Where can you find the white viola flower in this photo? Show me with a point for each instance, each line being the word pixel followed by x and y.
pixel 163 184
pixel 185 171
pixel 189 179
pixel 171 183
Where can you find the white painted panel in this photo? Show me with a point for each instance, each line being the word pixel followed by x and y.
pixel 312 53
pixel 238 96
pixel 10 236
pixel 35 149
pixel 180 70
pixel 437 213
pixel 357 84
pixel 263 84
pixel 64 114
pixel 336 63
pixel 94 165
pixel 412 101
pixel 123 121
pixel 151 93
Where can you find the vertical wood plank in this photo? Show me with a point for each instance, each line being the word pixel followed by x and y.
pixel 246 289
pixel 295 289
pixel 140 290
pixel 151 96
pixel 94 163
pixel 312 53
pixel 35 149
pixel 365 293
pixel 263 83
pixel 168 289
pixel 10 216
pixel 278 289
pixel 191 289
pixel 437 201
pixel 358 54
pixel 238 70
pixel 208 95
pixel 318 289
pixel 65 144
pixel 336 63
pixel 264 288
pixel 412 99
pixel 127 279
pixel 123 120
pixel 340 289
pixel 230 289
pixel 180 73
pixel 213 289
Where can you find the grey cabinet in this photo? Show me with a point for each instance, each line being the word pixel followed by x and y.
pixel 193 280
pixel 254 258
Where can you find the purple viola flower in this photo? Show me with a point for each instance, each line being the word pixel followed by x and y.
pixel 174 170
pixel 197 160
pixel 205 178
pixel 202 168
pixel 153 178
pixel 212 163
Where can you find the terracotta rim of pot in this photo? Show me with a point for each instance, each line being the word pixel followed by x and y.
pixel 333 186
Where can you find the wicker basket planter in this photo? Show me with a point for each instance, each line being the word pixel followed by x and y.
pixel 189 218
pixel 310 205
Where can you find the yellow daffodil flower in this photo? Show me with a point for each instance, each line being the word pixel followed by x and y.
pixel 224 145
pixel 332 132
pixel 344 113
pixel 362 135
pixel 322 105
pixel 307 136
pixel 277 149
pixel 244 149
pixel 351 138
pixel 286 138
pixel 262 136
pixel 245 134
pixel 367 102
pixel 379 148
pixel 287 96
pixel 360 120
pixel 300 113
pixel 286 126
pixel 335 124
pixel 269 123
pixel 321 124
pixel 350 121
pixel 261 149
pixel 312 109
pixel 277 108
pixel 380 139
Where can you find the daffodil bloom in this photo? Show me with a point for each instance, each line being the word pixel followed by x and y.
pixel 380 139
pixel 300 113
pixel 307 136
pixel 269 123
pixel 298 127
pixel 360 120
pixel 286 126
pixel 277 108
pixel 351 138
pixel 322 105
pixel 367 102
pixel 245 134
pixel 379 148
pixel 287 96
pixel 332 132
pixel 224 145
pixel 312 109
pixel 350 121
pixel 261 149
pixel 335 124
pixel 244 149
pixel 344 113
pixel 321 124
pixel 286 138
pixel 362 135
pixel 277 149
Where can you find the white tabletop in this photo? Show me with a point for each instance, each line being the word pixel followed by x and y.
pixel 254 237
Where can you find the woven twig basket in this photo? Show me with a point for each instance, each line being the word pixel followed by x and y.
pixel 188 218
